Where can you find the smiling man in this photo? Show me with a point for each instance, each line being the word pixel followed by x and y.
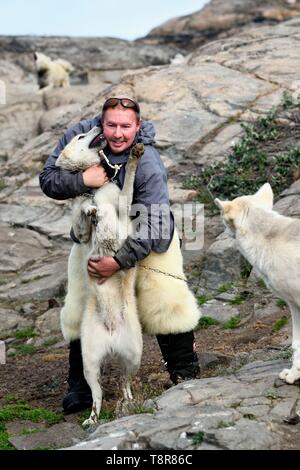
pixel 122 127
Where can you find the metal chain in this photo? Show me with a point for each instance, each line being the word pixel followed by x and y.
pixel 162 272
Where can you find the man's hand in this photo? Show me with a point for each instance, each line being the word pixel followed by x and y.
pixel 102 268
pixel 95 176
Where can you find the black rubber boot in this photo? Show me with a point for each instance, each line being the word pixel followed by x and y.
pixel 179 354
pixel 79 395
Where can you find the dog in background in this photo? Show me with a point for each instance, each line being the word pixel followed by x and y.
pixel 271 243
pixel 103 315
pixel 51 73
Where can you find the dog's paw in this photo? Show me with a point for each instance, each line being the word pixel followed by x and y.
pixel 90 210
pixel 89 422
pixel 137 151
pixel 290 375
pixel 92 420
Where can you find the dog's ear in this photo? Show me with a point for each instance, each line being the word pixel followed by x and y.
pixel 35 56
pixel 223 205
pixel 265 196
pixel 63 158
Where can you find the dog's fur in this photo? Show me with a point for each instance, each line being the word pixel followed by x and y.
pixel 51 73
pixel 271 243
pixel 165 302
pixel 105 313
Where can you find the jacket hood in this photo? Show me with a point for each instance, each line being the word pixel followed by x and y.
pixel 146 133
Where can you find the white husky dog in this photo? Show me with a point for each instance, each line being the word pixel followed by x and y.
pixel 271 243
pixel 106 313
pixel 52 73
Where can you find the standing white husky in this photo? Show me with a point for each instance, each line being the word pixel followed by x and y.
pixel 105 313
pixel 271 243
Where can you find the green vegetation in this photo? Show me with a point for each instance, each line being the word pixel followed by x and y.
pixel 105 415
pixel 238 300
pixel 202 299
pixel 280 323
pixel 261 283
pixel 206 322
pixel 138 408
pixel 224 288
pixel 285 354
pixel 224 424
pixel 26 412
pixel 23 411
pixel 232 323
pixel 23 349
pixel 261 155
pixel 25 334
pixel 198 438
pixel 281 303
pixel 246 269
pixel 271 393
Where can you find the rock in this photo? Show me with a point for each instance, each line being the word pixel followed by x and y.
pixel 223 264
pixel 50 118
pixel 232 412
pixel 49 322
pixel 207 359
pixel 61 434
pixel 222 312
pixel 20 247
pixel 178 195
pixel 10 320
pixel 267 311
pixel 219 19
pixel 18 119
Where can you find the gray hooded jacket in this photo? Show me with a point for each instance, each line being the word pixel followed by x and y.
pixel 150 188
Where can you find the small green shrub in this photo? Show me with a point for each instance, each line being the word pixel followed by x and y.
pixel 232 323
pixel 206 322
pixel 281 303
pixel 24 349
pixel 198 438
pixel 252 162
pixel 280 323
pixel 25 334
pixel 26 412
pixel 238 300
pixel 261 284
pixel 224 288
pixel 202 299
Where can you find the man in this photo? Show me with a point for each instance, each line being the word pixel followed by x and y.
pixel 122 128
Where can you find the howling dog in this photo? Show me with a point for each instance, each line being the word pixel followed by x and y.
pixel 271 243
pixel 104 315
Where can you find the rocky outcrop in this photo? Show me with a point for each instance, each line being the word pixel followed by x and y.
pixel 89 56
pixel 242 411
pixel 197 105
pixel 219 19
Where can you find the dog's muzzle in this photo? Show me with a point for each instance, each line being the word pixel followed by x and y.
pixel 98 142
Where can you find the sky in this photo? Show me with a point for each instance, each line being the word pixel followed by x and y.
pixel 127 19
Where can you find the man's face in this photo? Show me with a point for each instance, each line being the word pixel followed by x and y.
pixel 119 128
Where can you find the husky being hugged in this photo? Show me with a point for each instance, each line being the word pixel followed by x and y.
pixel 104 315
pixel 271 243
